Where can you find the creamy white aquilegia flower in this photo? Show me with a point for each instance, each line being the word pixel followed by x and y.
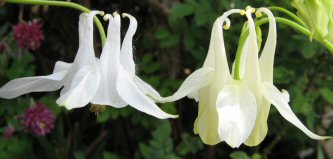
pixel 234 107
pixel 110 80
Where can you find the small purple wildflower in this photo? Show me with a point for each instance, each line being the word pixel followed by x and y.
pixel 28 35
pixel 9 132
pixel 38 120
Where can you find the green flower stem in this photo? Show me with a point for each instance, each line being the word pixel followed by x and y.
pixel 63 4
pixel 242 39
pixel 299 28
pixel 292 15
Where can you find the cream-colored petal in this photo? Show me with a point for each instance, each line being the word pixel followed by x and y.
pixel 260 129
pixel 194 95
pixel 237 110
pixel 217 60
pixel 198 79
pixel 207 114
pixel 216 44
pixel 273 95
pixel 252 74
pixel 266 61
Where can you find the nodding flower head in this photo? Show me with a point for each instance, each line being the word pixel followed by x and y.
pixel 28 35
pixel 38 120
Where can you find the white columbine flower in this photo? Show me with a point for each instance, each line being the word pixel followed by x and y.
pixel 235 108
pixel 108 81
pixel 80 79
pixel 120 86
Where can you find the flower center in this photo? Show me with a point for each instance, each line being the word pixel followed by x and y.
pixel 97 109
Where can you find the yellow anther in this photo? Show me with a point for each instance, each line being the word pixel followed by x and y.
pixel 253 10
pixel 248 7
pixel 242 12
pixel 258 14
pixel 226 27
pixel 97 109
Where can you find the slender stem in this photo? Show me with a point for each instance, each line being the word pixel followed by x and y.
pixel 64 4
pixel 292 15
pixel 299 28
pixel 327 44
pixel 286 22
pixel 242 39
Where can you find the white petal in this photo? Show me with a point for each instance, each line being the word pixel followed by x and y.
pixel 252 76
pixel 137 99
pixel 109 66
pixel 194 95
pixel 126 55
pixel 196 80
pixel 82 89
pixel 273 95
pixel 86 54
pixel 145 87
pixel 285 95
pixel 216 44
pixel 266 60
pixel 237 109
pixel 216 57
pixel 61 66
pixel 82 26
pixel 20 86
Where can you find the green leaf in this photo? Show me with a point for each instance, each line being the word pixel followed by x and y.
pixel 189 144
pixel 109 155
pixel 49 101
pixel 161 33
pixel 180 10
pixel 163 131
pixel 256 156
pixel 21 68
pixel 309 50
pixel 327 94
pixel 150 153
pixel 239 155
pixel 170 41
pixel 189 42
pixel 283 75
pixel 79 155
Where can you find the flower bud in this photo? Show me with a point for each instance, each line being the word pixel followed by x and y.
pixel 317 15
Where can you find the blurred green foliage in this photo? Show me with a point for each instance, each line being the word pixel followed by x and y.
pixel 171 42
